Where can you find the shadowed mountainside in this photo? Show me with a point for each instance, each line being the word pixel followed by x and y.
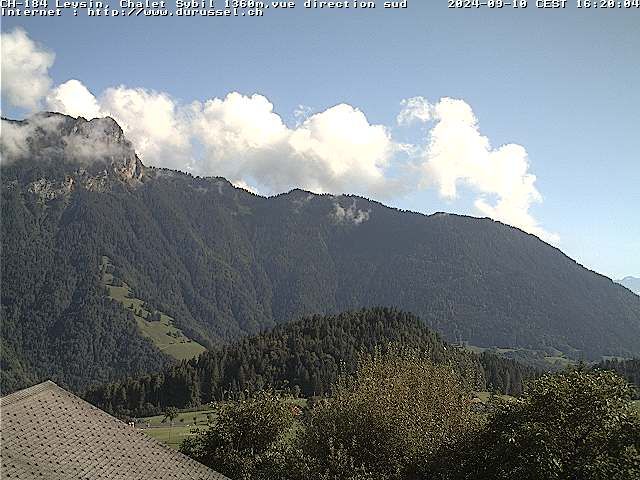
pixel 224 263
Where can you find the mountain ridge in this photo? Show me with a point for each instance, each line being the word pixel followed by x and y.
pixel 224 262
pixel 630 282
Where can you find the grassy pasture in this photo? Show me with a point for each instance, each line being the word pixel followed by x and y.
pixel 552 359
pixel 171 436
pixel 184 424
pixel 183 419
pixel 163 332
pixel 559 362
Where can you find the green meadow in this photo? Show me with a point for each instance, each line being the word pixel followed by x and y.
pixel 171 436
pixel 551 358
pixel 161 330
pixel 160 428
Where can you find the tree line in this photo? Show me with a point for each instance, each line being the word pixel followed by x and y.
pixel 304 358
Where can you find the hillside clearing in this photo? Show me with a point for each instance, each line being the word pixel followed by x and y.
pixel 161 330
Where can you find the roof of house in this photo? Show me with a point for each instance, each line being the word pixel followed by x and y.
pixel 49 433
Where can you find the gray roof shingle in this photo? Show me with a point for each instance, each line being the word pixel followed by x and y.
pixel 49 433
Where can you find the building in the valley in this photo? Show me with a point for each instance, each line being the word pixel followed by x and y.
pixel 49 433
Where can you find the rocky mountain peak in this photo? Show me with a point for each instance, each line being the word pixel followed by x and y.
pixel 105 128
pixel 92 151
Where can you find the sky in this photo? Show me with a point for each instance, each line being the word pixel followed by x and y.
pixel 528 116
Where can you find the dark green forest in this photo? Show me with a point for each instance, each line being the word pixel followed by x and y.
pixel 225 263
pixel 304 358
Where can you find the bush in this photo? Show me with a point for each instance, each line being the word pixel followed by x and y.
pixel 574 425
pixel 243 437
pixel 389 419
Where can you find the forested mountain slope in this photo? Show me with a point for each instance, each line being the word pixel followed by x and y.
pixel 305 357
pixel 223 263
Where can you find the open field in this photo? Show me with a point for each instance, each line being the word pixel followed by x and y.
pixel 172 436
pixel 550 359
pixel 559 362
pixel 201 415
pixel 161 330
pixel 183 418
pixel 183 424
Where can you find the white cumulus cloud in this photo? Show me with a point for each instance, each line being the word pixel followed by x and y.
pixel 245 186
pixel 458 154
pixel 342 148
pixel 153 122
pixel 337 150
pixel 24 70
pixel 415 109
pixel 331 151
pixel 74 99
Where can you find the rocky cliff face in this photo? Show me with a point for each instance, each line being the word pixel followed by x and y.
pixel 93 154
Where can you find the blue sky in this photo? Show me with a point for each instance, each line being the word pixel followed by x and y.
pixel 563 84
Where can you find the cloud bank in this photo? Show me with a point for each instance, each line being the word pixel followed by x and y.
pixel 338 150
pixel 458 154
pixel 350 214
pixel 24 74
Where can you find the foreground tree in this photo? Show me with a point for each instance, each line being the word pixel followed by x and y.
pixel 382 423
pixel 244 438
pixel 574 425
pixel 387 420
pixel 171 414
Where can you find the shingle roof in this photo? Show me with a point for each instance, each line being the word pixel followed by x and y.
pixel 49 433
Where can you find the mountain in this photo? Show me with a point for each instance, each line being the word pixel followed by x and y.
pixel 304 356
pixel 102 256
pixel 632 283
